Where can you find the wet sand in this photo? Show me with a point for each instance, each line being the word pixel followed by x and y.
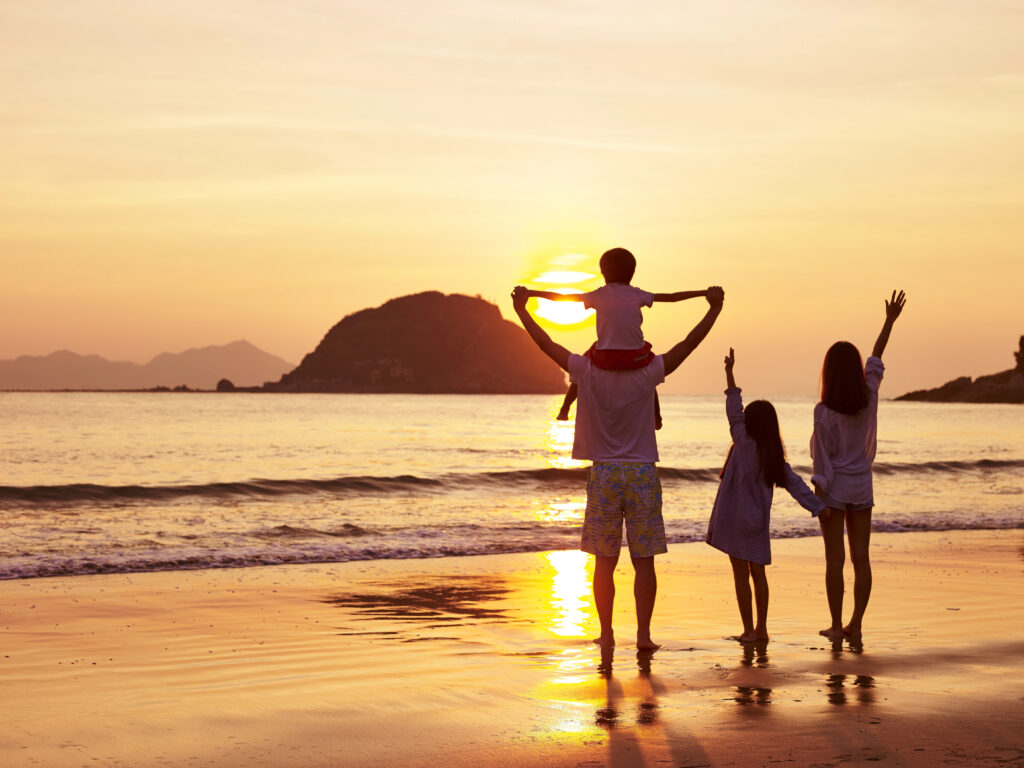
pixel 487 661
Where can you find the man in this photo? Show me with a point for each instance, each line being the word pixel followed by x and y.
pixel 615 430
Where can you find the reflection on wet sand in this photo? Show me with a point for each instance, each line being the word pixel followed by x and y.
pixel 746 694
pixel 755 654
pixel 452 600
pixel 839 686
pixel 629 712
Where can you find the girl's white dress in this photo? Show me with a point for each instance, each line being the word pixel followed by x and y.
pixel 740 517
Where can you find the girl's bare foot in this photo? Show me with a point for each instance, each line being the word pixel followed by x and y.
pixel 760 635
pixel 747 637
pixel 646 644
pixel 851 632
pixel 833 633
pixel 605 641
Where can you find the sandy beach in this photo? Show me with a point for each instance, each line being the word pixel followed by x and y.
pixel 487 661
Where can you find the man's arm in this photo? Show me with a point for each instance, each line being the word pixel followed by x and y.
pixel 556 352
pixel 682 350
pixel 679 295
pixel 553 295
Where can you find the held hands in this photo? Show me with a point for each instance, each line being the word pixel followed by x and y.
pixel 895 306
pixel 715 296
pixel 520 295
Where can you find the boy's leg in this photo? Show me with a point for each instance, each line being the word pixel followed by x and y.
pixel 604 597
pixel 858 530
pixel 570 396
pixel 835 558
pixel 645 590
pixel 760 580
pixel 741 580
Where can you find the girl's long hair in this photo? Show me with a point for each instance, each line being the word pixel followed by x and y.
pixel 842 380
pixel 762 425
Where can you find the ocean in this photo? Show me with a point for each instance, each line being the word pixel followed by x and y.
pixel 127 482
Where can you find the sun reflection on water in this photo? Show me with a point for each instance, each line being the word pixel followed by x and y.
pixel 557 445
pixel 571 608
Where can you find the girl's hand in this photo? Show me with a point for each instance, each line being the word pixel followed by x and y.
pixel 730 361
pixel 894 307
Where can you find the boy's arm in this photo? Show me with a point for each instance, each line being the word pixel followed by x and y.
pixel 556 352
pixel 682 350
pixel 553 295
pixel 680 295
pixel 892 311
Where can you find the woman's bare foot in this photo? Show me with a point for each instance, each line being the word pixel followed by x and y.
pixel 852 632
pixel 605 641
pixel 646 644
pixel 833 633
pixel 761 635
pixel 749 636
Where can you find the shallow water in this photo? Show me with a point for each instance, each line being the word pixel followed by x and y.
pixel 107 482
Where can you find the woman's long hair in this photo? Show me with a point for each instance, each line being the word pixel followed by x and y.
pixel 762 425
pixel 842 379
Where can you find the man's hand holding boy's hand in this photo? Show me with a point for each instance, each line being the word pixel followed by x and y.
pixel 520 295
pixel 716 296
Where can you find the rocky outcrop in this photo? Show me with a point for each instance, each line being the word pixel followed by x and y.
pixel 426 343
pixel 1005 387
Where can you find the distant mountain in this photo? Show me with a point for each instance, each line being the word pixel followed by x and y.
pixel 426 343
pixel 240 362
pixel 1004 387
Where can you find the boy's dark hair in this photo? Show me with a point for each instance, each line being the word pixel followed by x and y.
pixel 843 388
pixel 617 265
pixel 762 425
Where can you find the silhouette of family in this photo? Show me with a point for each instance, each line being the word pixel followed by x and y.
pixel 617 415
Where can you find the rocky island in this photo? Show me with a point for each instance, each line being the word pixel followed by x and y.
pixel 1005 387
pixel 428 343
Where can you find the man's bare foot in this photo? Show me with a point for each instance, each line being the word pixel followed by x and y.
pixel 833 633
pixel 851 632
pixel 605 641
pixel 646 644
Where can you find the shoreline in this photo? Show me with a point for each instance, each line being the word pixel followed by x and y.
pixel 487 660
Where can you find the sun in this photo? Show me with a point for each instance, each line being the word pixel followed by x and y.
pixel 563 312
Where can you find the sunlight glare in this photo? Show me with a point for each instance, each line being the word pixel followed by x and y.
pixel 564 312
pixel 570 593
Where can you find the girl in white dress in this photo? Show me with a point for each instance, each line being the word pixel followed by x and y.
pixel 843 449
pixel 739 524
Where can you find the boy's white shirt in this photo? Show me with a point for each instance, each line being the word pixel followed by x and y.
pixel 618 314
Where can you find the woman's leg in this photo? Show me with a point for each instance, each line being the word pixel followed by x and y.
pixel 741 579
pixel 858 530
pixel 835 558
pixel 760 599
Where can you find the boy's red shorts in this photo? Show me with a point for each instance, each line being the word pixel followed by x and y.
pixel 620 359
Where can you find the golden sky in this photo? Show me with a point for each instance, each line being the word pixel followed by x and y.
pixel 178 174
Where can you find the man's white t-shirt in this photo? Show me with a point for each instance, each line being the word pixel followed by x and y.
pixel 618 314
pixel 615 411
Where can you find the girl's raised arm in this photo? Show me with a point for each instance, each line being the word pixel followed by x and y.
pixel 892 311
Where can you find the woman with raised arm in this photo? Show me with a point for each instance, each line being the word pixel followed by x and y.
pixel 843 449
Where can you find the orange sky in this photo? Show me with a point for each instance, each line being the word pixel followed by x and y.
pixel 191 173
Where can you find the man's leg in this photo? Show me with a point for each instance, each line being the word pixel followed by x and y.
pixel 645 589
pixel 604 597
